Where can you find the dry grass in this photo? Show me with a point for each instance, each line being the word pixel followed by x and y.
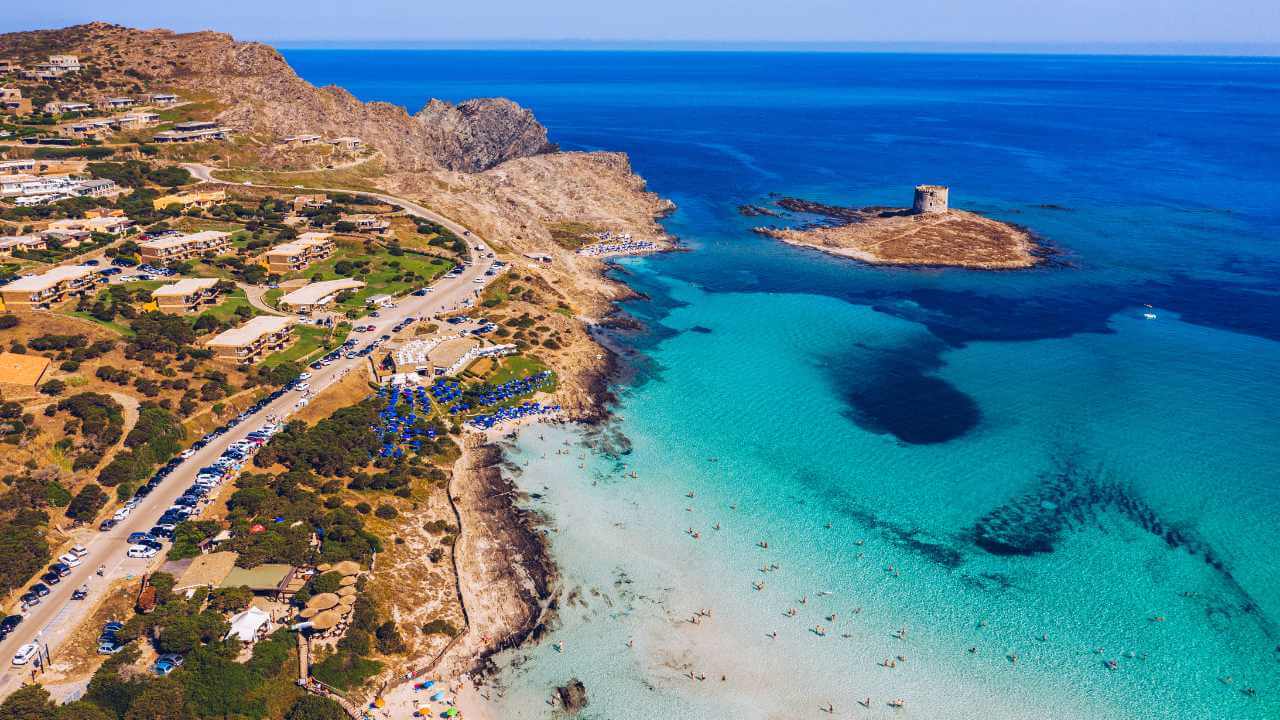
pixel 359 177
pixel 954 238
pixel 412 588
pixel 348 391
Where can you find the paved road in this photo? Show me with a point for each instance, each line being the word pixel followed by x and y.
pixel 57 616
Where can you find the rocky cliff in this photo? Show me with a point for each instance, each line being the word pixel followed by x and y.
pixel 257 91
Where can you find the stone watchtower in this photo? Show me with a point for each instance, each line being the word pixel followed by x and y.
pixel 930 199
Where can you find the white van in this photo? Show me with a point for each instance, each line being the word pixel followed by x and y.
pixel 141 551
pixel 80 551
pixel 70 559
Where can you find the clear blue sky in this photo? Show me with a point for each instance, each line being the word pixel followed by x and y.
pixel 712 21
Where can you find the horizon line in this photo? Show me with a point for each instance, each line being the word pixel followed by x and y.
pixel 1189 48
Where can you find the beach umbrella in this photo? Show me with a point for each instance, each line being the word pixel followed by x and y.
pixel 437 697
pixel 423 712
pixel 348 580
pixel 325 620
pixel 347 567
pixel 379 702
pixel 346 601
pixel 346 591
pixel 323 601
pixel 308 613
pixel 451 712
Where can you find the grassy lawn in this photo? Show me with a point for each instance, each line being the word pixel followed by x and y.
pixel 272 296
pixel 515 367
pixel 310 342
pixel 111 325
pixel 204 269
pixel 190 224
pixel 384 276
pixel 231 302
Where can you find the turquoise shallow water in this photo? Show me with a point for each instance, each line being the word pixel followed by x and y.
pixel 1020 464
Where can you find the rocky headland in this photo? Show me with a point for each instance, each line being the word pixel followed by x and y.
pixel 903 237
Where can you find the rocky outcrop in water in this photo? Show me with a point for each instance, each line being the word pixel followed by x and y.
pixel 572 697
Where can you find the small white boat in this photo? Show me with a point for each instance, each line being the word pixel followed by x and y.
pixel 1149 316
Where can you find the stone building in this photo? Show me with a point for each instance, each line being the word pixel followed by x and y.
pixel 930 199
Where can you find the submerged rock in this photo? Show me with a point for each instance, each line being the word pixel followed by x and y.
pixel 572 696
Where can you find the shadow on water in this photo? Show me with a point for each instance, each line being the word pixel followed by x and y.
pixel 896 392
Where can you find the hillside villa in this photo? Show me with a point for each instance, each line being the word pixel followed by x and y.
pixel 183 247
pixel 21 243
pixel 297 254
pixel 317 294
pixel 197 131
pixel 12 102
pixel 347 142
pixel 115 225
pixel 193 198
pixel 188 295
pixel 365 222
pixel 253 340
pixel 310 202
pixel 52 286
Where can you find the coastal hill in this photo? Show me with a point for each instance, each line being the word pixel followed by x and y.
pixel 256 90
pixel 930 234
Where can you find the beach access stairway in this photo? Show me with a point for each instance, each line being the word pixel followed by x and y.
pixel 315 687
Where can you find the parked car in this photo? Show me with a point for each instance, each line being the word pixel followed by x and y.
pixel 107 524
pixel 70 559
pixel 50 578
pixel 141 551
pixel 29 597
pixel 80 593
pixel 40 589
pixel 62 569
pixel 26 653
pixel 109 647
pixel 9 624
pixel 135 538
pixel 166 664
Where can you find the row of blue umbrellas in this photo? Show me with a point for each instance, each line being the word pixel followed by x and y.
pixel 513 412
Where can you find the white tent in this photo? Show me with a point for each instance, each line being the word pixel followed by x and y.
pixel 246 625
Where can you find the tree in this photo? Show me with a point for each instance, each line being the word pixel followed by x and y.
pixel 83 710
pixel 30 702
pixel 161 700
pixel 161 332
pixel 169 176
pixel 86 504
pixel 314 707
pixel 53 387
pixel 180 635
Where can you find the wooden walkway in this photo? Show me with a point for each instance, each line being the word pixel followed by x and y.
pixel 315 687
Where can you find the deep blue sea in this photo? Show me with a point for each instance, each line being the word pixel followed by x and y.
pixel 1052 493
